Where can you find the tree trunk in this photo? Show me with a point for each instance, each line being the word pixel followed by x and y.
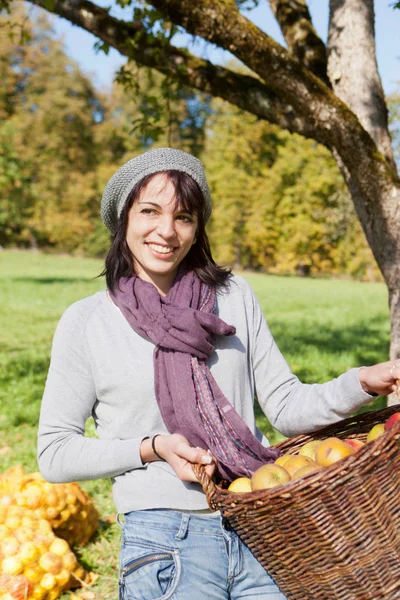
pixel 353 71
pixel 394 307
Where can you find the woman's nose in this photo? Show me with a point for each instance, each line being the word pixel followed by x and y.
pixel 166 227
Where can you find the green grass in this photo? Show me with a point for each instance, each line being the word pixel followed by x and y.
pixel 323 327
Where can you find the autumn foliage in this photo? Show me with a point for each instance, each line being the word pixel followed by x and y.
pixel 279 201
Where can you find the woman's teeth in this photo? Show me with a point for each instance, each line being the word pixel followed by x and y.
pixel 161 249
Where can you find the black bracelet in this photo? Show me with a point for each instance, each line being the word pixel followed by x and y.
pixel 145 438
pixel 154 448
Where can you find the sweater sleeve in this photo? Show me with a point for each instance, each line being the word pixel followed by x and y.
pixel 64 453
pixel 291 406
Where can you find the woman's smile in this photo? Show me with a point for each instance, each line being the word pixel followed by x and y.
pixel 166 251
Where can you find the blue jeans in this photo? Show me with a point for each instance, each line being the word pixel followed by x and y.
pixel 172 555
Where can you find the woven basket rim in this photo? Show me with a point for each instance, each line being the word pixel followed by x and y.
pixel 324 475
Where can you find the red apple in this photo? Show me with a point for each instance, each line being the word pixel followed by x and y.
pixel 354 443
pixel 18 587
pixel 392 420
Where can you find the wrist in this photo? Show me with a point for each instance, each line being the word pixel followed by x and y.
pixel 156 448
pixel 363 378
pixel 147 454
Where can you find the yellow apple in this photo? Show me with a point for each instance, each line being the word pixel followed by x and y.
pixel 296 462
pixel 69 560
pixel 309 449
pixel 51 563
pixel 38 593
pixel 28 552
pixel 63 577
pixel 48 581
pixel 9 546
pixel 4 532
pixel 375 432
pixel 241 484
pixel 282 460
pixel 33 573
pixel 59 547
pixel 331 450
pixel 12 565
pixel 269 476
pixel 306 470
pixel 24 534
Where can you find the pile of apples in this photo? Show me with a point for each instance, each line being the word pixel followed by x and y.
pixel 311 457
pixel 34 563
pixel 69 509
pixel 38 522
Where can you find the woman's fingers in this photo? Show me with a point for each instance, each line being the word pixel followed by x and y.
pixel 381 378
pixel 177 451
pixel 210 469
pixel 196 455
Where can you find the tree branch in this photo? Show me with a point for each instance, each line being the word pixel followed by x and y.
pixel 131 40
pixel 334 124
pixel 303 42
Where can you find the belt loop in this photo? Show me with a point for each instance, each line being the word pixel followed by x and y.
pixel 118 519
pixel 184 526
pixel 225 524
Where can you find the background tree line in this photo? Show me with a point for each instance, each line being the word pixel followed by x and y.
pixel 280 203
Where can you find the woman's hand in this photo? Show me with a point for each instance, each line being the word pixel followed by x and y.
pixel 382 379
pixel 177 452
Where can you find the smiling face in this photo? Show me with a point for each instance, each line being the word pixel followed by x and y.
pixel 159 233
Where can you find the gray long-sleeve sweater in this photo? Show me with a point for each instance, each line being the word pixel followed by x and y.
pixel 101 367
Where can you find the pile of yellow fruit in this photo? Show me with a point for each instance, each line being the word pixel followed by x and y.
pixel 312 456
pixel 35 562
pixel 69 510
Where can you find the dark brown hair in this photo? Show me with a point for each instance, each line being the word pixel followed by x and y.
pixel 119 260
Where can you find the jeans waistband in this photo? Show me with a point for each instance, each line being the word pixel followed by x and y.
pixel 177 521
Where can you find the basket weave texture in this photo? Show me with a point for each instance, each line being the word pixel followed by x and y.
pixel 335 533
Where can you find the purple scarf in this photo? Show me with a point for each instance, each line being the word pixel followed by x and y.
pixel 183 325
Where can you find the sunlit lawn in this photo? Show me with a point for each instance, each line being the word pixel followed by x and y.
pixel 323 327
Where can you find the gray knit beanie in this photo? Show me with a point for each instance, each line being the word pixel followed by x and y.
pixel 153 161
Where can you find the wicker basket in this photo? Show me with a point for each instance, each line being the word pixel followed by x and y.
pixel 334 533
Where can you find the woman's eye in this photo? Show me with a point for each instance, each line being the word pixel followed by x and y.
pixel 185 218
pixel 147 211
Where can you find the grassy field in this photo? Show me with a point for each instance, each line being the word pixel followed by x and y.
pixel 323 327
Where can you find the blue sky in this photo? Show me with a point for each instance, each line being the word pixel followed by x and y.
pixel 79 44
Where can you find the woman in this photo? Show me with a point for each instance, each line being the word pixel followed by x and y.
pixel 168 361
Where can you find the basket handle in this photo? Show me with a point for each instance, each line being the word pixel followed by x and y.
pixel 206 482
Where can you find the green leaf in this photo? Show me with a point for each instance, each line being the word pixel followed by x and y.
pixel 101 46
